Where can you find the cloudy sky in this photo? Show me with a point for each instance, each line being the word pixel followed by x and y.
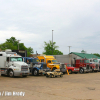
pixel 75 23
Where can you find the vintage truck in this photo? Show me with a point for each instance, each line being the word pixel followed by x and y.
pixel 71 69
pixel 35 66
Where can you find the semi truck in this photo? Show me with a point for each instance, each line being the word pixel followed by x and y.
pixel 83 65
pixel 11 64
pixel 52 63
pixel 35 66
pixel 94 64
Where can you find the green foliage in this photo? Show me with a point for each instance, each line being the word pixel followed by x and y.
pixel 97 54
pixel 48 49
pixel 12 44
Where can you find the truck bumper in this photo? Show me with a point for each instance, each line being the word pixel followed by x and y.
pixel 63 70
pixel 21 73
pixel 87 70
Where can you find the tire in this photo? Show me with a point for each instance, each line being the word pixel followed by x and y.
pixel 47 75
pixel 11 73
pixel 35 72
pixel 53 69
pixel 24 75
pixel 2 75
pixel 70 71
pixel 61 75
pixel 81 70
pixel 51 76
pixel 75 72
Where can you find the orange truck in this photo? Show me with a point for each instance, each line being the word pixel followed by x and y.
pixel 50 61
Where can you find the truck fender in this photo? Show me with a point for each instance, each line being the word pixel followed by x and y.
pixel 35 68
pixel 9 70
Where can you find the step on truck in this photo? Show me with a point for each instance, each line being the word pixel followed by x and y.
pixel 35 66
pixel 11 64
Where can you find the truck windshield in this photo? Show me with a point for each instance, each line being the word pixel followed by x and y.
pixel 54 60
pixel 68 65
pixel 35 60
pixel 15 59
pixel 86 61
pixel 95 60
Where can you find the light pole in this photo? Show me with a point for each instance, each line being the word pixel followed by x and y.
pixel 18 43
pixel 69 55
pixel 52 42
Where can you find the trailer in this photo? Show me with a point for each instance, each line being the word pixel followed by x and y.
pixel 11 64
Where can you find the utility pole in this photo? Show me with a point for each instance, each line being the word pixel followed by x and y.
pixel 69 55
pixel 52 42
pixel 18 43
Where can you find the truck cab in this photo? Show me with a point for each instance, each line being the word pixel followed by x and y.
pixel 50 61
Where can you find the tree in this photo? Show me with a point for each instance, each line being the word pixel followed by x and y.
pixel 48 49
pixel 97 54
pixel 12 44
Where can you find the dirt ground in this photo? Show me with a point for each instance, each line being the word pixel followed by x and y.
pixel 69 87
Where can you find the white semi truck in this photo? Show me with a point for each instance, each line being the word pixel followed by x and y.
pixel 11 64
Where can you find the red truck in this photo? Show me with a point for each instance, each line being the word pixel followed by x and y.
pixel 83 65
pixel 71 69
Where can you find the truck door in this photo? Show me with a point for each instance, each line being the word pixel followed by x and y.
pixel 7 62
pixel 48 64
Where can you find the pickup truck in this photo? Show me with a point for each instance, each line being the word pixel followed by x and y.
pixel 71 69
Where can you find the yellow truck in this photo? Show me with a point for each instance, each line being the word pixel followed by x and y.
pixel 50 61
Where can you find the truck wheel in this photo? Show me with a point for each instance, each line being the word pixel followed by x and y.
pixel 11 73
pixel 75 72
pixel 81 70
pixel 51 76
pixel 47 75
pixel 2 74
pixel 70 71
pixel 53 69
pixel 24 75
pixel 35 72
pixel 61 75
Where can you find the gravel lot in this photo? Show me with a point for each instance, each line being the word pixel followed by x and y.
pixel 69 87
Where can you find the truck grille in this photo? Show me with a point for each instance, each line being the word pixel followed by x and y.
pixel 87 66
pixel 24 68
pixel 44 66
pixel 63 66
pixel 96 66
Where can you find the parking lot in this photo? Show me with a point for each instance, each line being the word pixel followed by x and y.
pixel 69 87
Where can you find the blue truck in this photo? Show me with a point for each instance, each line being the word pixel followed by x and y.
pixel 35 66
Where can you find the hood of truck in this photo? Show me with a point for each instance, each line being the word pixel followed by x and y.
pixel 55 65
pixel 18 63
